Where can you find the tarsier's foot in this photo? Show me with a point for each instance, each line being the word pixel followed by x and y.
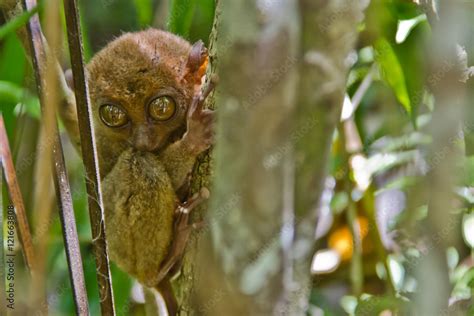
pixel 182 230
pixel 199 135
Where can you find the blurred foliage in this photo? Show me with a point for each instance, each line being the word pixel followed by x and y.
pixel 383 153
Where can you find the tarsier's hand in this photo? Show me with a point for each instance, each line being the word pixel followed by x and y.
pixel 200 122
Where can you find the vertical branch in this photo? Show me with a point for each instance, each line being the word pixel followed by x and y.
pixel 257 44
pixel 89 156
pixel 43 197
pixel 329 31
pixel 44 67
pixel 185 286
pixel 17 199
pixel 447 82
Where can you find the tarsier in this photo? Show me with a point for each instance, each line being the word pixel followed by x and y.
pixel 150 126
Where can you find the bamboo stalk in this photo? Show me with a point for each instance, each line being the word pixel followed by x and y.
pixel 89 156
pixel 44 197
pixel 34 43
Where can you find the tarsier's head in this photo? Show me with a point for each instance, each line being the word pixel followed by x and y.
pixel 141 85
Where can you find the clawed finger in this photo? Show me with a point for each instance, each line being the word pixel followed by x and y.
pixel 194 107
pixel 209 87
pixel 198 100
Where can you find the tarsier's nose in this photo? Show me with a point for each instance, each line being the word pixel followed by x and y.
pixel 143 146
pixel 145 140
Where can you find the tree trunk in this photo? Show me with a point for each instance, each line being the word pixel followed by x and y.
pixel 282 68
pixel 448 80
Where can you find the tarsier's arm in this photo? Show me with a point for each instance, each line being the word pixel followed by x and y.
pixel 179 157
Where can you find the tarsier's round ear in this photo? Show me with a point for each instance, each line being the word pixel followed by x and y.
pixel 196 65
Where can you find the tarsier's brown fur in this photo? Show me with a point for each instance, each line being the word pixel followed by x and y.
pixel 144 164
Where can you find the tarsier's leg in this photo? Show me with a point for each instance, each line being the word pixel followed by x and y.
pixel 198 138
pixel 166 292
pixel 182 230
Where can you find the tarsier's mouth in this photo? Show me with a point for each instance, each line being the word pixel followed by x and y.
pixel 146 147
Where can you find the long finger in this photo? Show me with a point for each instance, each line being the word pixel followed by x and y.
pixel 194 106
pixel 209 87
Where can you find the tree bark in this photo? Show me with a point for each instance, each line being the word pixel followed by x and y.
pixel 448 81
pixel 282 68
pixel 329 33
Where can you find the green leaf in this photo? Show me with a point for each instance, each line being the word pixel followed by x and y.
pixel 400 183
pixel 466 193
pixel 181 16
pixel 406 141
pixel 406 26
pixel 392 72
pixel 381 162
pixel 349 304
pixel 405 10
pixel 122 287
pixel 17 22
pixel 144 11
pixel 412 57
pixel 12 60
pixel 339 202
pixel 11 93
pixel 201 25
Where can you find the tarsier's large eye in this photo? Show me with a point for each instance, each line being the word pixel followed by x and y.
pixel 162 108
pixel 112 115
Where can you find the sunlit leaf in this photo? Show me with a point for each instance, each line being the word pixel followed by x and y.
pixel 463 278
pixel 401 183
pixel 392 72
pixel 406 26
pixel 397 271
pixel 366 168
pixel 349 303
pixel 468 229
pixel 10 92
pixel 452 256
pixel 404 142
pixel 339 202
pixel 466 193
pixel 411 55
pixel 14 94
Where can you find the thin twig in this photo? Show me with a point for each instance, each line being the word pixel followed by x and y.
pixel 362 89
pixel 17 199
pixel 3 308
pixel 89 156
